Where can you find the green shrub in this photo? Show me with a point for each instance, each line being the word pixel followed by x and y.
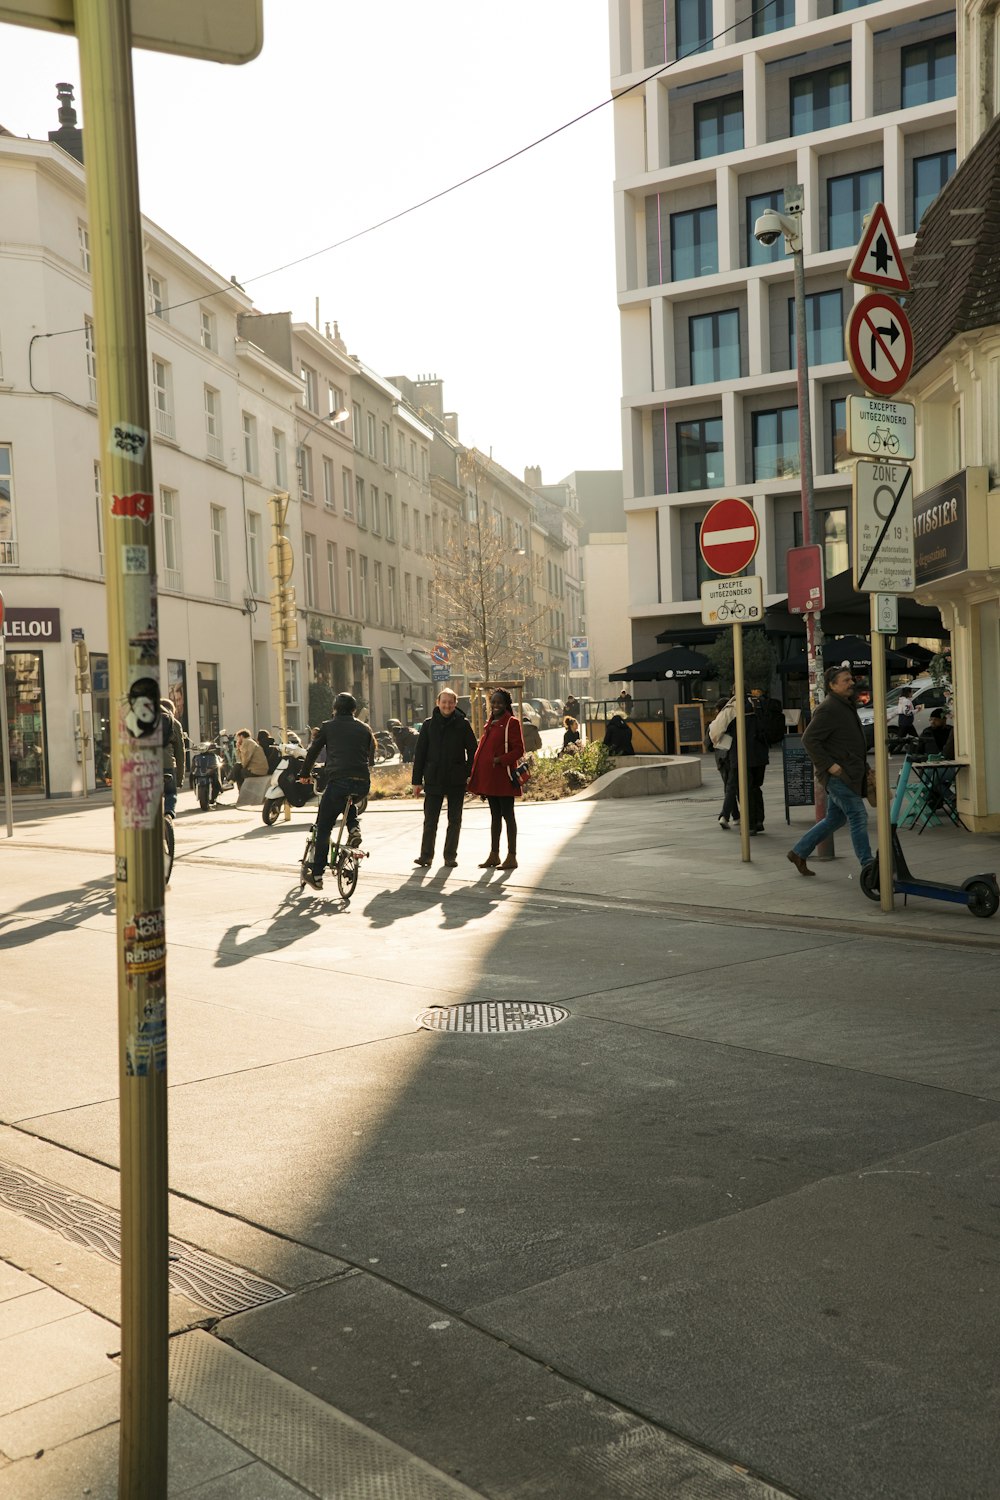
pixel 320 703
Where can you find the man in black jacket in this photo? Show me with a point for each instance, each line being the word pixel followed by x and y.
pixel 350 754
pixel 835 742
pixel 441 768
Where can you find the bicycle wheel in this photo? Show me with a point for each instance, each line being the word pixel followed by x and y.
pixel 307 858
pixel 168 850
pixel 347 875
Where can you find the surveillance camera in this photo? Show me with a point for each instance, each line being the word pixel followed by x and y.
pixel 768 227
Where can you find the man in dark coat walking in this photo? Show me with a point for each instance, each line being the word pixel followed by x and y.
pixel 835 742
pixel 441 768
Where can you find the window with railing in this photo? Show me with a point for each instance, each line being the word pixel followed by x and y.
pixel 163 402
pixel 213 423
pixel 170 539
pixel 209 338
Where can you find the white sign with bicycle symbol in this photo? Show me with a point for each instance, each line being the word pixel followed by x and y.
pixel 732 601
pixel 885 428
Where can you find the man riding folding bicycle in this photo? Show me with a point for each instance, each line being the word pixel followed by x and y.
pixel 350 754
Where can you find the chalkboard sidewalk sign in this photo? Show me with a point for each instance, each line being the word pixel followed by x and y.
pixel 689 725
pixel 798 774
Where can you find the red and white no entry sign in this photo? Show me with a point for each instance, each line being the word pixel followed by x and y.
pixel 729 536
pixel 880 344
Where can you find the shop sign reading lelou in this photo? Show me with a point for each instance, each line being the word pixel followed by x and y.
pixel 31 627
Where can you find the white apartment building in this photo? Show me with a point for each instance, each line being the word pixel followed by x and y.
pixel 854 101
pixel 51 544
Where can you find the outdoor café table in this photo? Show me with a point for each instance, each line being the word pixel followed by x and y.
pixel 938 777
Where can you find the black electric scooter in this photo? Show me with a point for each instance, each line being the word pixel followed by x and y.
pixel 980 893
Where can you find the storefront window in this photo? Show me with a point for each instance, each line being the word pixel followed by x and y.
pixel 177 691
pixel 25 688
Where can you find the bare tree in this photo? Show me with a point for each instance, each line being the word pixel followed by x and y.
pixel 483 594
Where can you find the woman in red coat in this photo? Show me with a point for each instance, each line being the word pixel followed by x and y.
pixel 500 748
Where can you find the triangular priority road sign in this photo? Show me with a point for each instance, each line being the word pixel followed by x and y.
pixel 877 261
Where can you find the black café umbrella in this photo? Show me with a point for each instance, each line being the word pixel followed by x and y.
pixel 856 653
pixel 677 664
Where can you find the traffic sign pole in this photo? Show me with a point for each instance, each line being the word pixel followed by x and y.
pixel 885 863
pixel 136 736
pixel 743 777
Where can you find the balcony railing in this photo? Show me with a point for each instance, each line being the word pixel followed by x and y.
pixel 8 554
pixel 213 446
pixel 165 423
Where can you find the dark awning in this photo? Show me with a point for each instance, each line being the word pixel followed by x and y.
pixel 667 666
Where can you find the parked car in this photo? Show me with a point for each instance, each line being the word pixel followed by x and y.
pixel 926 695
pixel 548 714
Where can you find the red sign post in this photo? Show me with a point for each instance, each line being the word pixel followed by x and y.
pixel 729 537
pixel 806 587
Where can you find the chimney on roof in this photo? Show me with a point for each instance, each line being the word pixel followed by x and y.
pixel 68 136
pixel 533 476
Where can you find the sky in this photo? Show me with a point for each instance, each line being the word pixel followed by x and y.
pixel 505 288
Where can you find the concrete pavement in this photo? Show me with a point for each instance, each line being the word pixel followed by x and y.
pixel 727 1230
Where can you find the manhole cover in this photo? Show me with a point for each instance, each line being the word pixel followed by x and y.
pixel 492 1015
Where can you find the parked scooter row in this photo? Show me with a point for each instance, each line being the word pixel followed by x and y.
pixel 211 770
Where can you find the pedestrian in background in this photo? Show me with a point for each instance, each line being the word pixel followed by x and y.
pixel 904 722
pixel 251 757
pixel 618 736
pixel 500 748
pixel 754 712
pixel 173 757
pixel 835 743
pixel 571 736
pixel 625 702
pixel 442 764
pixel 722 733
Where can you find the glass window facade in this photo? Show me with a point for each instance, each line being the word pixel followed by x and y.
pixel 928 71
pixel 930 173
pixel 714 346
pixel 824 328
pixel 776 443
pixel 836 552
pixel 699 454
pixel 840 459
pixel 819 100
pixel 848 199
pixel 758 254
pixel 693 19
pixel 694 243
pixel 718 126
pixel 777 16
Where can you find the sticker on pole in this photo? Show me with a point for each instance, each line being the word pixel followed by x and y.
pixel 732 601
pixel 877 261
pixel 879 343
pixel 729 536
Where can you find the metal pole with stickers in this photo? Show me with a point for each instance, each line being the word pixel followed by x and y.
pixel 224 31
pixel 728 539
pixel 879 344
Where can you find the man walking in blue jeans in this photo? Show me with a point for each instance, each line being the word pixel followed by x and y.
pixel 835 743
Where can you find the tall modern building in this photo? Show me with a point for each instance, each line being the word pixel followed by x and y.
pixel 719 106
